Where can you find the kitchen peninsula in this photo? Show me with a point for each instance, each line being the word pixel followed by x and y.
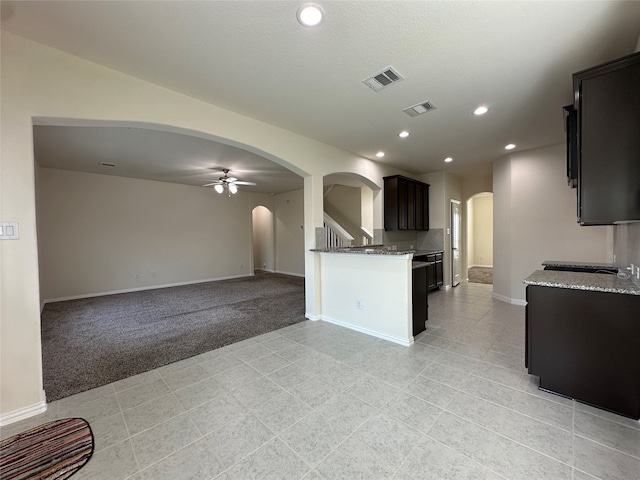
pixel 368 289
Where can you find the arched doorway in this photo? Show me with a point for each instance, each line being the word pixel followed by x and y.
pixel 480 238
pixel 348 201
pixel 263 239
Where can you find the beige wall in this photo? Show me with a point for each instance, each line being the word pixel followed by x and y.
pixel 436 198
pixel 46 86
pixel 343 204
pixel 263 238
pixel 535 220
pixel 452 191
pixel 627 245
pixel 289 222
pixel 480 240
pixel 503 243
pixel 100 233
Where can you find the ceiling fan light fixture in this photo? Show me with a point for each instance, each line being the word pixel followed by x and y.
pixel 219 188
pixel 233 188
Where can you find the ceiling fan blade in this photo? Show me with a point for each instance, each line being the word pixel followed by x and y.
pixel 245 183
pixel 210 184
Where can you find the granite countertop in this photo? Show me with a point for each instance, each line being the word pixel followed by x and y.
pixel 560 263
pixel 596 282
pixel 427 252
pixel 368 250
pixel 374 250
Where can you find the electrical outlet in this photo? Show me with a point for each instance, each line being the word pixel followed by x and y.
pixel 359 304
pixel 9 231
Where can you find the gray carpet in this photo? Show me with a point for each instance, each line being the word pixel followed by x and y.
pixel 91 342
pixel 480 275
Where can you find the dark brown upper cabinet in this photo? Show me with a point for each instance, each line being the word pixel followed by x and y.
pixel 607 141
pixel 406 204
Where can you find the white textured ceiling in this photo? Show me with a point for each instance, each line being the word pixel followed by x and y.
pixel 253 57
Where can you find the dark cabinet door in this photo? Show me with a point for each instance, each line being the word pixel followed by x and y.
pixel 431 276
pixel 584 345
pixel 419 293
pixel 411 206
pixel 406 204
pixel 608 125
pixel 439 272
pixel 402 203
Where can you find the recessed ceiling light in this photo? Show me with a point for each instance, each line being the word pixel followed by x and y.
pixel 448 160
pixel 380 154
pixel 310 15
pixel 511 146
pixel 480 110
pixel 404 134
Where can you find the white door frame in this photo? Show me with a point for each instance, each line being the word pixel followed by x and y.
pixel 456 237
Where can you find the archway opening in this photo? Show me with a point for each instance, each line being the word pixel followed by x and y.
pixel 263 239
pixel 348 210
pixel 480 238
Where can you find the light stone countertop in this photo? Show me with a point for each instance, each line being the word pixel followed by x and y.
pixel 596 282
pixel 415 264
pixel 370 250
pixel 373 250
pixel 560 263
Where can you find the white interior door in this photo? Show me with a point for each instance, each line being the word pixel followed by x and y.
pixel 456 223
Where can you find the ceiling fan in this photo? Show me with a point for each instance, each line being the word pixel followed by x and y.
pixel 227 183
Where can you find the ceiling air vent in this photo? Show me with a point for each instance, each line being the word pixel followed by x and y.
pixel 383 79
pixel 419 109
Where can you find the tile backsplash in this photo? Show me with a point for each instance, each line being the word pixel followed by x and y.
pixel 626 244
pixel 432 239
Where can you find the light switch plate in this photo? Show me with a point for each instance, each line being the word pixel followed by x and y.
pixel 9 231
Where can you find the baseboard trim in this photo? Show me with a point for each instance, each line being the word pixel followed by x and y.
pixel 512 301
pixel 289 273
pixel 313 318
pixel 368 331
pixel 141 289
pixel 23 413
pixel 482 266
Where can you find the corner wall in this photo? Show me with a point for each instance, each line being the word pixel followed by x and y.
pixel 289 223
pixel 535 220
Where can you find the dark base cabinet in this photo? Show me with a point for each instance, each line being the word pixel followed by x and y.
pixel 435 271
pixel 585 345
pixel 419 295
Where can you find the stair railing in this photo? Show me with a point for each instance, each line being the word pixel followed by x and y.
pixel 335 235
pixel 367 236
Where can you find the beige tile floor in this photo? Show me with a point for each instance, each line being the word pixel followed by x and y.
pixel 317 401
